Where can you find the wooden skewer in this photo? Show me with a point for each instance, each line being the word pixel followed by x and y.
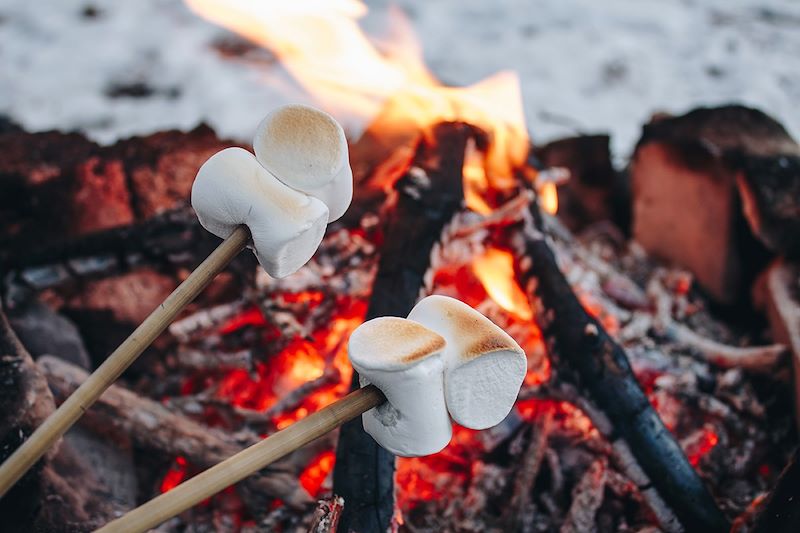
pixel 245 463
pixel 116 363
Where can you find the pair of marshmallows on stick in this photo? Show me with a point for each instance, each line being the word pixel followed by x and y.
pixel 446 360
pixel 298 181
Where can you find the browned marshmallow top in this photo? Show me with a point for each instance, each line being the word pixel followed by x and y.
pixel 391 343
pixel 477 335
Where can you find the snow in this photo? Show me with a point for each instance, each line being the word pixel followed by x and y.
pixel 585 66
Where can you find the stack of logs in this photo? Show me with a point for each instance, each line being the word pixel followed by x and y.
pixel 96 212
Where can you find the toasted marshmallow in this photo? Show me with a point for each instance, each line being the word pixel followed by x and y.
pixel 306 149
pixel 484 366
pixel 287 226
pixel 404 360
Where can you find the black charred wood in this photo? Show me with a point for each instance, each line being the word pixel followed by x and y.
pixel 781 511
pixel 595 191
pixel 584 356
pixel 168 240
pixel 428 196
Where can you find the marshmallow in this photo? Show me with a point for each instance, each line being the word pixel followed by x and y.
pixel 484 366
pixel 307 150
pixel 404 360
pixel 286 226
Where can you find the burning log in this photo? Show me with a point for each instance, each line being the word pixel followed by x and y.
pixel 428 196
pixel 686 208
pixel 587 362
pixel 151 426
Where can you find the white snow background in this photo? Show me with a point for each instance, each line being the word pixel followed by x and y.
pixel 585 66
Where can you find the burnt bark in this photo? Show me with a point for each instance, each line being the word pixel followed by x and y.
pixel 428 196
pixel 781 511
pixel 585 358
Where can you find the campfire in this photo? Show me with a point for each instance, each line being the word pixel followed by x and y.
pixel 657 308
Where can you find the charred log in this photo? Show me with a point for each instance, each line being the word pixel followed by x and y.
pixel 428 196
pixel 781 512
pixel 153 427
pixel 586 360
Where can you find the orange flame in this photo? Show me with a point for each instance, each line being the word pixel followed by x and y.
pixel 352 75
pixel 476 183
pixel 495 270
pixel 548 194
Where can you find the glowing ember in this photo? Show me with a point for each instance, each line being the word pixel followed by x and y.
pixel 700 447
pixel 352 75
pixel 300 362
pixel 539 376
pixel 565 413
pixel 608 320
pixel 175 475
pixel 249 317
pixel 315 473
pixel 495 269
pixel 548 196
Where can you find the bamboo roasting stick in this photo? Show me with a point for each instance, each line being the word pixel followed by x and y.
pixel 245 463
pixel 73 407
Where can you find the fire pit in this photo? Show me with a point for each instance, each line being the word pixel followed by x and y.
pixel 657 307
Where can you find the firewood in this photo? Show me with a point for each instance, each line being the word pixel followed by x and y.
pixel 56 184
pixel 24 402
pixel 73 407
pixel 761 359
pixel 586 499
pixel 173 238
pixel 519 513
pixel 585 359
pixel 428 196
pixel 151 426
pixel 686 208
pixel 326 515
pixel 60 491
pixel 594 191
